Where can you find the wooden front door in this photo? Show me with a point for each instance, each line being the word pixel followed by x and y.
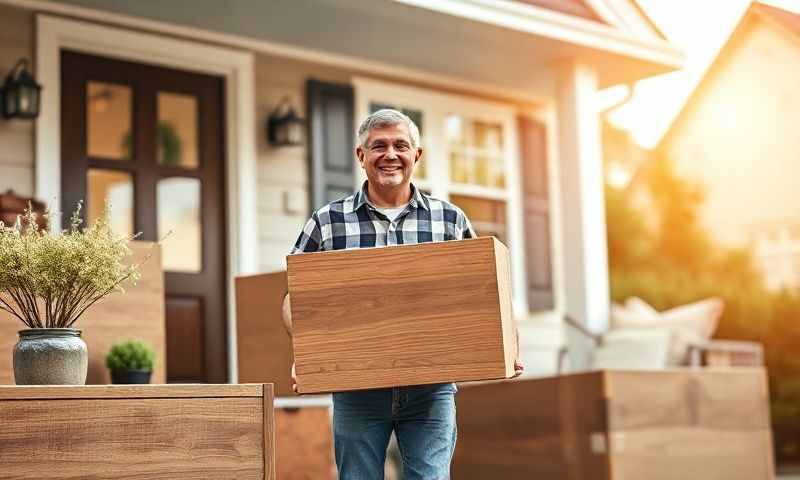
pixel 149 140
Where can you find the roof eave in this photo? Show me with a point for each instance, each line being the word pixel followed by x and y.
pixel 561 27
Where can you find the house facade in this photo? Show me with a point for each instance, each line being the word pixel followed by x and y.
pixel 163 109
pixel 736 134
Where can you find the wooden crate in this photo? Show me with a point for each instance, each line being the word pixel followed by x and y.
pixel 138 313
pixel 264 347
pixel 304 440
pixel 402 315
pixel 618 425
pixel 141 431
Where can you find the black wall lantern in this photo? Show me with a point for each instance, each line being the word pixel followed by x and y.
pixel 20 93
pixel 284 127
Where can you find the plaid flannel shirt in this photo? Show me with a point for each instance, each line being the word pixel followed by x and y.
pixel 353 222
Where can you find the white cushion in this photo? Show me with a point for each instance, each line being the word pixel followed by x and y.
pixel 639 307
pixel 633 348
pixel 688 324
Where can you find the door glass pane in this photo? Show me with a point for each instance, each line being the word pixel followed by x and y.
pixel 113 186
pixel 416 116
pixel 178 200
pixel 108 121
pixel 488 216
pixel 177 130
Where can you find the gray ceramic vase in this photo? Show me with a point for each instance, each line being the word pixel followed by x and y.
pixel 50 356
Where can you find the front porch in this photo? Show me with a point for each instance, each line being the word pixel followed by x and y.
pixel 505 97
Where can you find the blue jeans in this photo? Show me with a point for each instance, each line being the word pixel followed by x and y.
pixel 422 417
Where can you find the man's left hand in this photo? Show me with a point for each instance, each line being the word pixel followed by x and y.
pixel 518 368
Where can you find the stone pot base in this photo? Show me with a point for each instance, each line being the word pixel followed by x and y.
pixel 50 356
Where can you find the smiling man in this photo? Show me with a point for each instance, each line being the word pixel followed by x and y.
pixel 389 210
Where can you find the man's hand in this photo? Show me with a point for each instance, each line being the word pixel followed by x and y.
pixel 518 368
pixel 294 379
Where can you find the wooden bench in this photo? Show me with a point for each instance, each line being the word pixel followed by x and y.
pixel 141 431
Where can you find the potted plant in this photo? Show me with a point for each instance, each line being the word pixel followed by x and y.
pixel 130 362
pixel 48 279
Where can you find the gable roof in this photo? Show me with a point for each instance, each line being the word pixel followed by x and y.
pixel 625 15
pixel 577 8
pixel 787 20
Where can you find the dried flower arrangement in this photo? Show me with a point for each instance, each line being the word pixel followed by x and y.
pixel 48 278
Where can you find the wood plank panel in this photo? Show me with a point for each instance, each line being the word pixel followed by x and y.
pixel 67 392
pixel 530 429
pixel 400 315
pixel 185 338
pixel 158 432
pixel 698 423
pixel 263 345
pixel 617 425
pixel 305 444
pixel 138 313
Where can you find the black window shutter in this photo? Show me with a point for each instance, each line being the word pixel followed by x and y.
pixel 331 149
pixel 536 211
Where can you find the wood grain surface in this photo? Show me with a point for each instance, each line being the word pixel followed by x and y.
pixel 160 432
pixel 401 315
pixel 305 444
pixel 264 347
pixel 617 425
pixel 136 314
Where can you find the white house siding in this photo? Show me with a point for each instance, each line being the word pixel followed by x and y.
pixel 16 136
pixel 739 135
pixel 282 172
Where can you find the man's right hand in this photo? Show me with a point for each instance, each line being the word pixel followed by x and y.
pixel 294 379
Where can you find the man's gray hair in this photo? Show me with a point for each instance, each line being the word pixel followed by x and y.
pixel 387 117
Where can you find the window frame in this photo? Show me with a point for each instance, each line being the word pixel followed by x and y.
pixel 435 106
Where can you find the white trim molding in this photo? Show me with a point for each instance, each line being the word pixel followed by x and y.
pixel 236 67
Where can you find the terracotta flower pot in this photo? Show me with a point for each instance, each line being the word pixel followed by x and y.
pixel 50 356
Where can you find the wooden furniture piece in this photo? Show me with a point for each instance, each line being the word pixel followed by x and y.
pixel 402 315
pixel 138 314
pixel 142 431
pixel 618 425
pixel 304 444
pixel 12 205
pixel 727 353
pixel 264 347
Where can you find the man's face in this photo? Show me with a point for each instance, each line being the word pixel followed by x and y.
pixel 388 156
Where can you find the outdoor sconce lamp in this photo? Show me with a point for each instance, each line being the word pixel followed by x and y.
pixel 284 127
pixel 20 95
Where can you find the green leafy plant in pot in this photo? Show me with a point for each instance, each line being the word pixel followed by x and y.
pixel 48 279
pixel 130 362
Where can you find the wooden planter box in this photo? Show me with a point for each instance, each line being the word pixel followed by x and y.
pixel 618 425
pixel 402 315
pixel 142 431
pixel 264 348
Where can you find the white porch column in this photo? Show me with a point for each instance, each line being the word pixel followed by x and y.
pixel 585 256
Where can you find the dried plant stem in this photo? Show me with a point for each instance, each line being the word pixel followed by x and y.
pixel 98 297
pixel 8 308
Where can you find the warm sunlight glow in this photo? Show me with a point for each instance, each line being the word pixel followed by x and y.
pixel 700 28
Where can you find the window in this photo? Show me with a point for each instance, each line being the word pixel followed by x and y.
pixel 469 158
